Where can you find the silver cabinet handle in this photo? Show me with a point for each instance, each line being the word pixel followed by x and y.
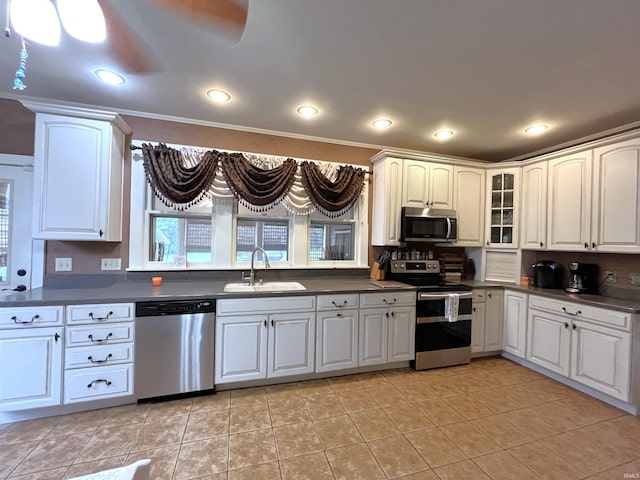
pixel 389 303
pixel 100 318
pixel 572 314
pixel 106 359
pixel 15 319
pixel 344 303
pixel 100 340
pixel 99 380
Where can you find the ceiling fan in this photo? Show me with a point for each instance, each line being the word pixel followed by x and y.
pixel 227 17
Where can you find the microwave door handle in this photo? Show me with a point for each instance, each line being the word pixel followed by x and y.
pixel 448 228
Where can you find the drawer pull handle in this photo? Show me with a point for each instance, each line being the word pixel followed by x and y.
pixel 339 315
pixel 100 340
pixel 389 303
pixel 572 314
pixel 99 380
pixel 344 303
pixel 107 358
pixel 100 318
pixel 15 319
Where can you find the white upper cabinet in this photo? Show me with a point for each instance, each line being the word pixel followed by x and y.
pixel 503 192
pixel 426 184
pixel 78 175
pixel 533 214
pixel 469 205
pixel 569 207
pixel 387 198
pixel 616 198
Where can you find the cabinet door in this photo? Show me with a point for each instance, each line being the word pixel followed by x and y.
pixel 373 334
pixel 477 328
pixel 548 341
pixel 241 348
pixel 515 323
pixel 533 226
pixel 336 340
pixel 291 344
pixel 569 207
pixel 83 148
pixel 601 358
pixel 469 205
pixel 440 186
pixel 415 184
pixel 402 333
pixel 503 190
pixel 30 368
pixel 387 199
pixel 616 198
pixel 493 320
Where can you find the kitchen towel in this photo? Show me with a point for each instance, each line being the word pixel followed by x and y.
pixel 451 304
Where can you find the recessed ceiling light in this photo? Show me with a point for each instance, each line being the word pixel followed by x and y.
pixel 218 96
pixel 83 19
pixel 382 123
pixel 307 111
pixel 536 129
pixel 112 78
pixel 443 134
pixel 36 20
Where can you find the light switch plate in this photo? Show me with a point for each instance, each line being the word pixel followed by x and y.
pixel 64 264
pixel 111 264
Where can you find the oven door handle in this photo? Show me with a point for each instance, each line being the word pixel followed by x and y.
pixel 442 296
pixel 461 318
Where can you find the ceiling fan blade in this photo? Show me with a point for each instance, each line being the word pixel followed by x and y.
pixel 128 49
pixel 229 14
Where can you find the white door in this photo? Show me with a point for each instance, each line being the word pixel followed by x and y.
pixel 515 323
pixel 477 328
pixel 415 184
pixel 402 333
pixel 291 344
pixel 600 358
pixel 533 226
pixel 469 205
pixel 336 340
pixel 548 341
pixel 16 198
pixel 31 373
pixel 493 320
pixel 373 336
pixel 441 186
pixel 241 348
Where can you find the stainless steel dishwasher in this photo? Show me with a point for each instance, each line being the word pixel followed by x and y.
pixel 174 347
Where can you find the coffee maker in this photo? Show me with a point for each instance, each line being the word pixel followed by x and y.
pixel 583 278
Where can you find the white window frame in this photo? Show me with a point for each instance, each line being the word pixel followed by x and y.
pixel 223 220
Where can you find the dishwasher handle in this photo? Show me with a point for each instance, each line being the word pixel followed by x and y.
pixel 175 307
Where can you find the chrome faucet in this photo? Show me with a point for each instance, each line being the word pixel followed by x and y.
pixel 251 278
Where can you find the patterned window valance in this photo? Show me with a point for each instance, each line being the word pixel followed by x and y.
pixel 181 178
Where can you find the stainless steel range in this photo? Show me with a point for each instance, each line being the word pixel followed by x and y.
pixel 443 314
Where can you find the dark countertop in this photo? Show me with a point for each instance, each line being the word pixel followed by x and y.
pixel 182 290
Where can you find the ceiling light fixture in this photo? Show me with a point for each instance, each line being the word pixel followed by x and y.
pixel 36 20
pixel 382 123
pixel 536 129
pixel 218 96
pixel 443 134
pixel 112 78
pixel 83 19
pixel 307 111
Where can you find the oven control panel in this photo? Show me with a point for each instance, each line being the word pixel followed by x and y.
pixel 415 266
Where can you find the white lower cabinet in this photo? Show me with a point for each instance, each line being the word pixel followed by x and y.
pixel 337 340
pixel 373 337
pixel 264 338
pixel 486 320
pixel 515 323
pixel 30 368
pixel 99 352
pixel 590 345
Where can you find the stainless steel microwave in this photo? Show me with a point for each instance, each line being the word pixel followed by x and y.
pixel 428 225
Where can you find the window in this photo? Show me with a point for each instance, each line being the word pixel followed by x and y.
pixel 5 223
pixel 330 241
pixel 272 236
pixel 186 234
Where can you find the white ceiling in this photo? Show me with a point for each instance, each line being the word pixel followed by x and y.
pixel 484 68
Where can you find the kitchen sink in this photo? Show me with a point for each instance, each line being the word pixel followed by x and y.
pixel 264 287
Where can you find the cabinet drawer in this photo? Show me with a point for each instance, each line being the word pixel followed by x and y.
pixel 370 300
pixel 265 305
pixel 333 302
pixel 577 311
pixel 98 356
pixel 21 317
pixel 100 313
pixel 84 384
pixel 99 335
pixel 479 296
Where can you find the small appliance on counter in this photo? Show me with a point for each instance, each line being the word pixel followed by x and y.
pixel 547 274
pixel 583 278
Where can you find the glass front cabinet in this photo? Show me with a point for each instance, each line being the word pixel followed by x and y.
pixel 503 187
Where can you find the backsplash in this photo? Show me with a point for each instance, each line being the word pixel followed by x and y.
pixel 624 265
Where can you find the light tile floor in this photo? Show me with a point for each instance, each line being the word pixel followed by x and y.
pixel 491 419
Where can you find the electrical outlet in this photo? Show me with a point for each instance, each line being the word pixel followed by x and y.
pixel 111 264
pixel 64 264
pixel 634 278
pixel 610 277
